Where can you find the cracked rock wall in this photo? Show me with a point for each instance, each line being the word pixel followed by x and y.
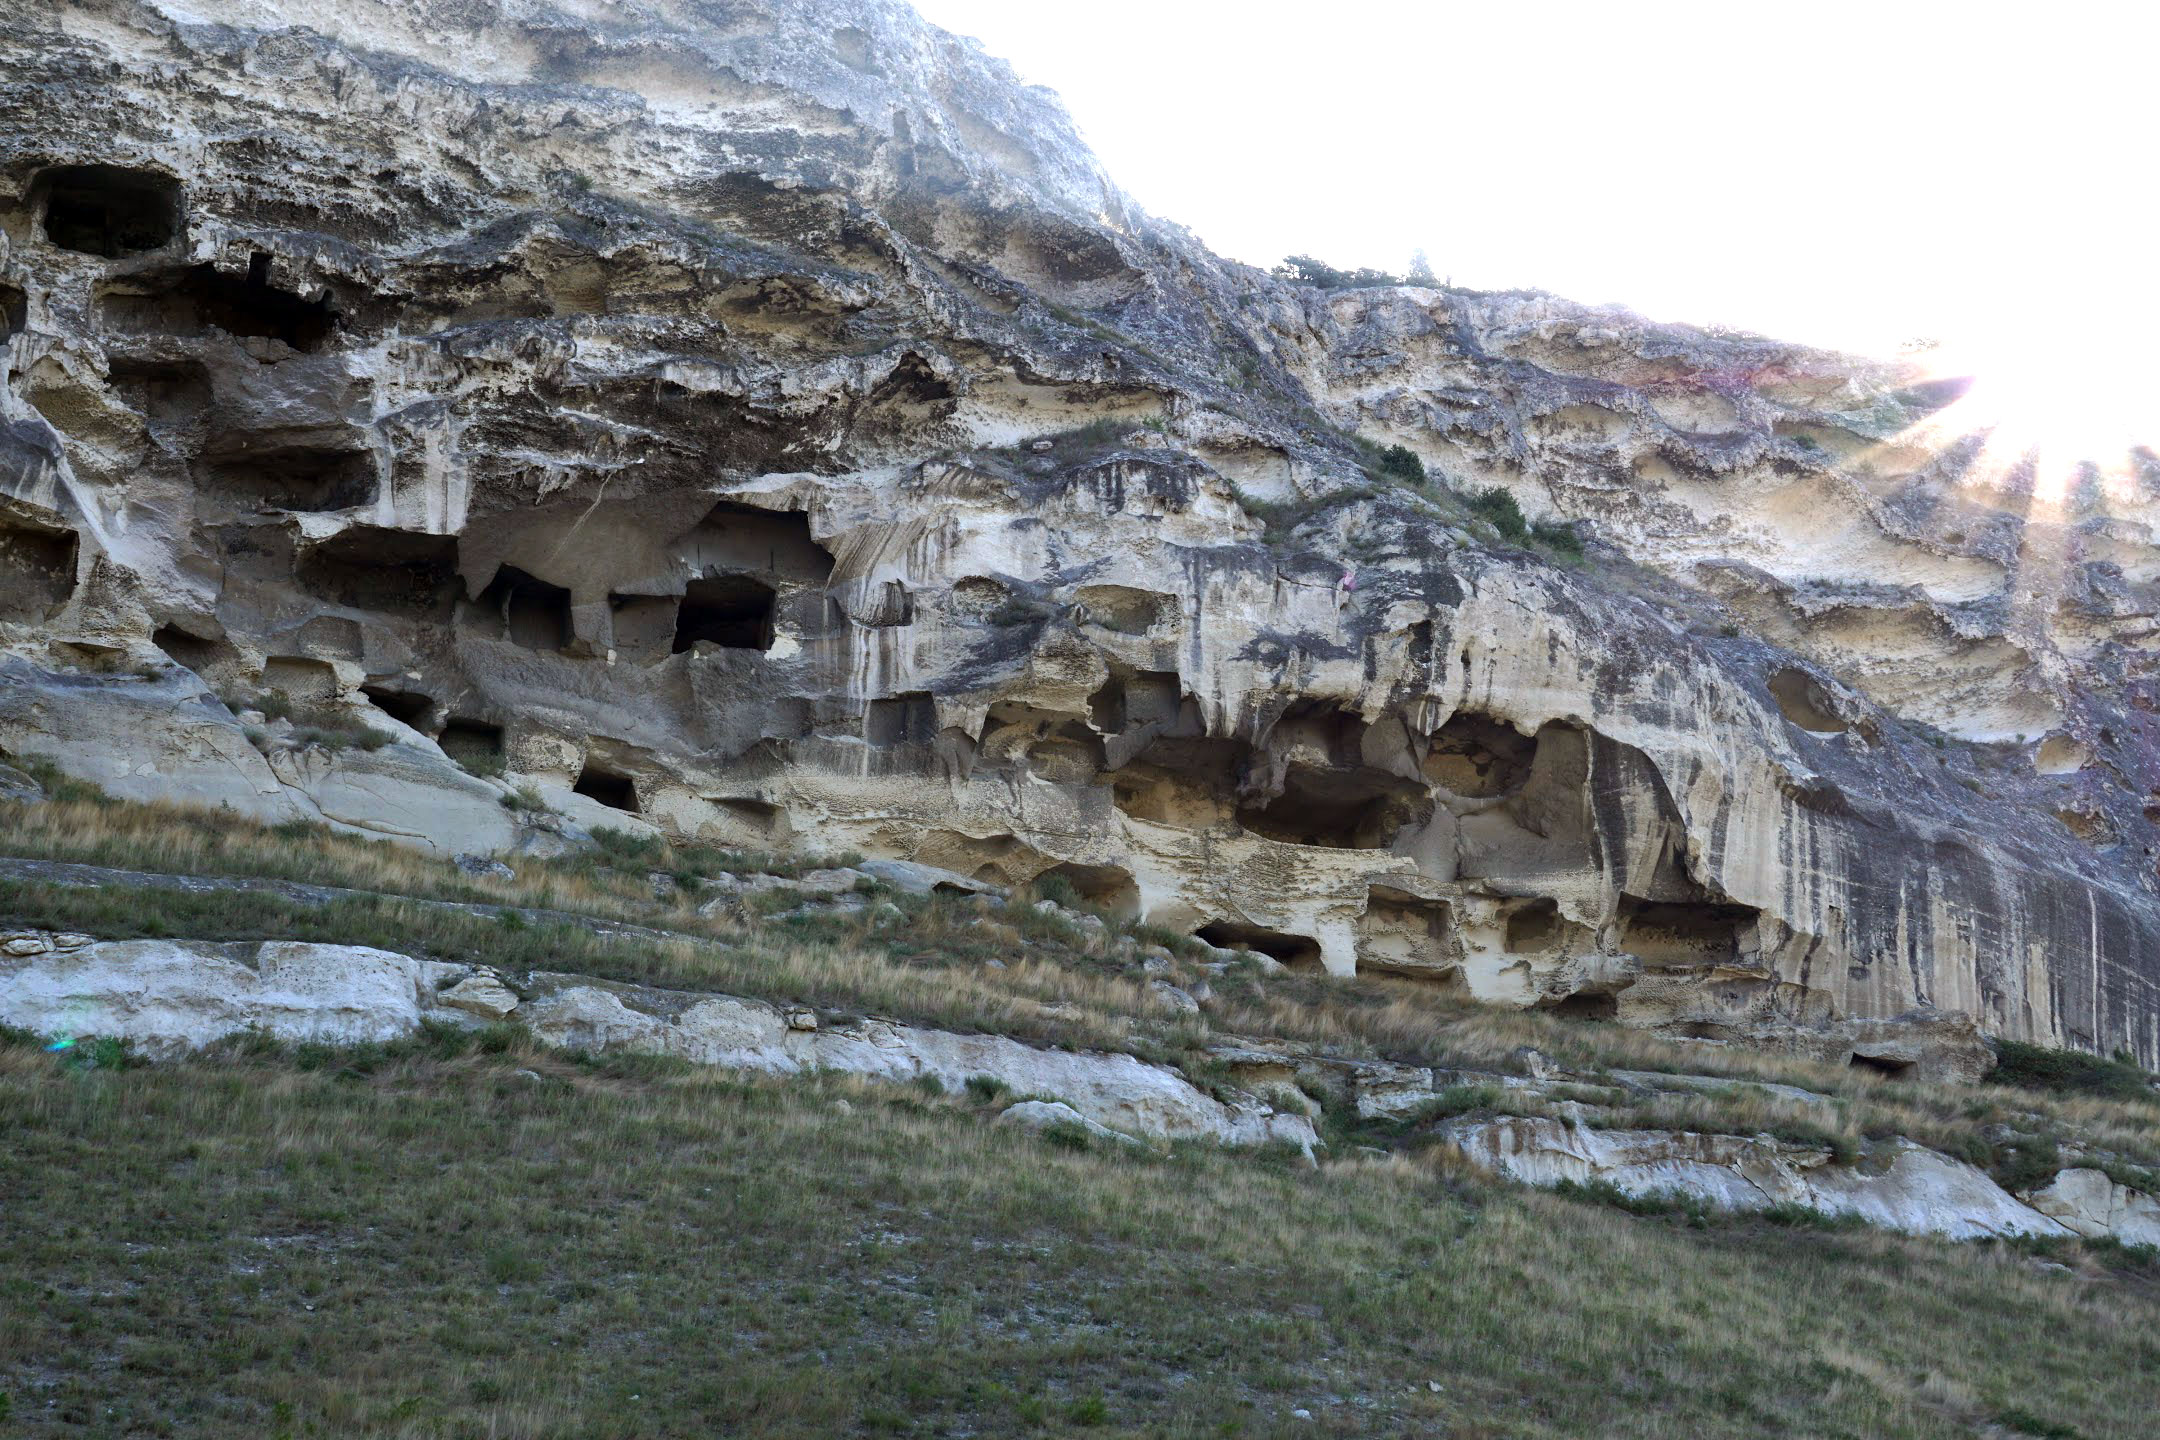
pixel 767 424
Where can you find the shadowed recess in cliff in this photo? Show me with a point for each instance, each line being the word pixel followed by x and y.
pixel 734 612
pixel 525 610
pixel 1314 784
pixel 304 479
pixel 1408 935
pixel 37 568
pixel 1299 952
pixel 108 210
pixel 393 571
pixel 203 298
pixel 611 788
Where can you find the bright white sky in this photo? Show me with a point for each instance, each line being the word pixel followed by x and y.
pixel 1851 174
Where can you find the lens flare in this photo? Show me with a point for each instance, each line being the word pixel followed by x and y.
pixel 2064 405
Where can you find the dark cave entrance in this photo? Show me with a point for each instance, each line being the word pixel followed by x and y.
pixel 732 611
pixel 109 211
pixel 616 791
pixel 1299 952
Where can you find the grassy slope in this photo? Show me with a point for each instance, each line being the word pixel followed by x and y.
pixel 628 1249
pixel 433 1244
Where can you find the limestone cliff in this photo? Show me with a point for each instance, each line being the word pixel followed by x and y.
pixel 767 423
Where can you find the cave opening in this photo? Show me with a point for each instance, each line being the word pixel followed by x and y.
pixel 534 613
pixel 369 567
pixel 14 310
pixel 1475 756
pixel 1188 781
pixel 474 744
pixel 306 480
pixel 1356 809
pixel 1802 700
pixel 109 211
pixel 1882 1065
pixel 1299 952
pixel 614 790
pixel 1587 1005
pixel 407 707
pixel 1533 928
pixel 744 538
pixel 37 570
pixel 1408 936
pixel 163 390
pixel 203 297
pixel 905 719
pixel 1132 698
pixel 734 612
pixel 1108 888
pixel 644 625
pixel 191 651
pixel 1684 934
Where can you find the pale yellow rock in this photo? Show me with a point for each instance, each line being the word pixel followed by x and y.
pixel 480 994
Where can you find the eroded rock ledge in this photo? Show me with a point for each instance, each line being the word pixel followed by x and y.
pixel 169 997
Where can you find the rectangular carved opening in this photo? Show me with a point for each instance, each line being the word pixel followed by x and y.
pixel 617 792
pixel 909 719
pixel 37 571
pixel 371 568
pixel 534 613
pixel 733 611
pixel 408 707
pixel 307 480
pixel 644 624
pixel 1684 935
pixel 1299 952
pixel 777 543
pixel 109 211
pixel 475 745
pixel 203 298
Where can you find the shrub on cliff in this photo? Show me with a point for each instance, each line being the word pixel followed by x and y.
pixel 1305 270
pixel 1402 463
pixel 2037 1067
pixel 1497 508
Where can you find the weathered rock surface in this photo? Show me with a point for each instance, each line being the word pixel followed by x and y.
pixel 1046 1114
pixel 675 411
pixel 169 996
pixel 1115 1091
pixel 2093 1205
pixel 1917 1191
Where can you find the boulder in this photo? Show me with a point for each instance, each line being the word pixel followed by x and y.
pixel 1902 1187
pixel 2094 1205
pixel 1043 1114
pixel 480 994
pixel 168 996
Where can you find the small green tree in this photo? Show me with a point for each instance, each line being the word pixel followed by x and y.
pixel 1402 462
pixel 1498 508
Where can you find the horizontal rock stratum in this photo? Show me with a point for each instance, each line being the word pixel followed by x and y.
pixel 170 997
pixel 471 423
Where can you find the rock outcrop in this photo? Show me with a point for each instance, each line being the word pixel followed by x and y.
pixel 1906 1187
pixel 170 997
pixel 474 423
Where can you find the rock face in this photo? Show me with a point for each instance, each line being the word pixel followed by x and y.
pixel 1908 1188
pixel 2091 1204
pixel 766 424
pixel 1115 1091
pixel 169 997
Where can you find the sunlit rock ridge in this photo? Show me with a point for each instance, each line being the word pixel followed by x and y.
pixel 768 423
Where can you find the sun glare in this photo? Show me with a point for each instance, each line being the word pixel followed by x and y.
pixel 2064 407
